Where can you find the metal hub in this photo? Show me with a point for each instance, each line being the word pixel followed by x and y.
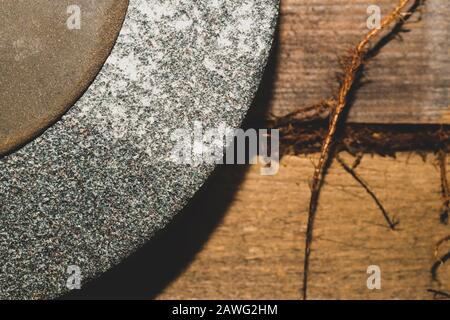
pixel 50 52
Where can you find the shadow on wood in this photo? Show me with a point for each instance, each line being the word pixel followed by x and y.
pixel 149 270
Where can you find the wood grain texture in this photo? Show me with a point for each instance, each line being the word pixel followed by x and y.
pixel 408 82
pixel 257 250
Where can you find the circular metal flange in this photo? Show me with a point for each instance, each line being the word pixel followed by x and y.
pixel 50 51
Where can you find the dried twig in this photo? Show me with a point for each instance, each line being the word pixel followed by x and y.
pixel 440 260
pixel 320 111
pixel 350 74
pixel 437 294
pixel 391 222
pixel 438 246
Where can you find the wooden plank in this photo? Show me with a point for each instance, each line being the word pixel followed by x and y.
pixel 256 251
pixel 409 80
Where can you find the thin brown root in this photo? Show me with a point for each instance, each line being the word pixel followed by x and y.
pixel 439 294
pixel 320 111
pixel 392 223
pixel 357 161
pixel 351 72
pixel 438 246
pixel 442 157
pixel 440 260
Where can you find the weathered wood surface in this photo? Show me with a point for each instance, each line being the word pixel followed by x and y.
pixel 256 251
pixel 408 82
pixel 253 245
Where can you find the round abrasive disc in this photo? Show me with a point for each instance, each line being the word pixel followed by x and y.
pixel 98 183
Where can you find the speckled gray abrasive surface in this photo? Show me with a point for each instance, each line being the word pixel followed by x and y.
pixel 98 184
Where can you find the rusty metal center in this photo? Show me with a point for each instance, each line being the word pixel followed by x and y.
pixel 50 52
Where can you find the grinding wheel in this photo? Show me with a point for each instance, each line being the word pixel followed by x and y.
pixel 98 183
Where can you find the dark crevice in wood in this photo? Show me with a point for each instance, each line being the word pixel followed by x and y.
pixel 299 137
pixel 442 157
